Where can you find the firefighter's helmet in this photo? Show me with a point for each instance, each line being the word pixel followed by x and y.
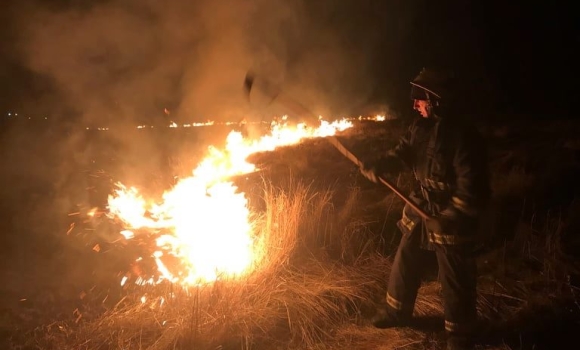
pixel 430 84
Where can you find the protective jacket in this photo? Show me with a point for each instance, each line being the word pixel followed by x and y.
pixel 448 159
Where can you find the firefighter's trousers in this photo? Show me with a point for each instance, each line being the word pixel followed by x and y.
pixel 457 275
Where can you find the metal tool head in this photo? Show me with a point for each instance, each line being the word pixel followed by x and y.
pixel 249 82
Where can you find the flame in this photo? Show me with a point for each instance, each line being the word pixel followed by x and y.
pixel 202 226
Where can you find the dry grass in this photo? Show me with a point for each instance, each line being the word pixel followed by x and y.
pixel 301 297
pixel 297 296
pixel 327 267
pixel 294 307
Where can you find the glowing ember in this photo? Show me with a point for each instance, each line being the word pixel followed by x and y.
pixel 127 234
pixel 202 226
pixel 124 280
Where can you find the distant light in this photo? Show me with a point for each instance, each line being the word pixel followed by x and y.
pixel 16 114
pixel 45 118
pixel 9 114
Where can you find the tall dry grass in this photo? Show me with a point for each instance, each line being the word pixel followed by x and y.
pixel 298 295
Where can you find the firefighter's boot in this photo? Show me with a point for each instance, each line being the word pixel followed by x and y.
pixel 387 317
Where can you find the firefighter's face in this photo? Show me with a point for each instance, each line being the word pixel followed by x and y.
pixel 423 107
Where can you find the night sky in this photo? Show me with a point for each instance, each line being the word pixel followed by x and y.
pixel 126 60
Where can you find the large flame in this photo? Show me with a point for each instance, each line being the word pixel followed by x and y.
pixel 202 226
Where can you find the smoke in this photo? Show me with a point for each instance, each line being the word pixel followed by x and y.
pixel 123 63
pixel 127 60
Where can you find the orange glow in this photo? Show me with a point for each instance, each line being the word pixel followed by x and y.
pixel 202 226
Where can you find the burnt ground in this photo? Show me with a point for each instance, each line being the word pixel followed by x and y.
pixel 48 174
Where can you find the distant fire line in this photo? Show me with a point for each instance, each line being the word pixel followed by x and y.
pixel 173 125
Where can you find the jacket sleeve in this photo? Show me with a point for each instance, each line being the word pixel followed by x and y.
pixel 472 191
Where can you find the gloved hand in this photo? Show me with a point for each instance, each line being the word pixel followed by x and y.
pixel 387 165
pixel 369 170
pixel 436 225
pixel 445 223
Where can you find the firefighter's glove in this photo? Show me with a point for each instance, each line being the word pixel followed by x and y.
pixel 388 165
pixel 445 223
pixel 369 170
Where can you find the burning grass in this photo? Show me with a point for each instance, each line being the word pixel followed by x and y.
pixel 304 295
pixel 298 295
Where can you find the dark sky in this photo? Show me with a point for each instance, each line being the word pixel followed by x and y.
pixel 126 60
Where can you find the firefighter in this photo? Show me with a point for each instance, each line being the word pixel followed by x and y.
pixel 448 158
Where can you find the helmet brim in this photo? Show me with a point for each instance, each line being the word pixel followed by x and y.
pixel 419 92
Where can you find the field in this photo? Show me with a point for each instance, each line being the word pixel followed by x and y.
pixel 330 235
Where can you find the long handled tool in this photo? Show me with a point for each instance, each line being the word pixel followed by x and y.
pixel 275 93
